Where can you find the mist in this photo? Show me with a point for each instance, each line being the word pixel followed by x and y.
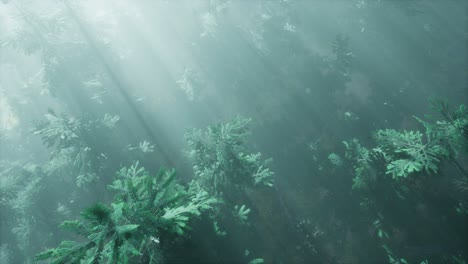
pixel 299 131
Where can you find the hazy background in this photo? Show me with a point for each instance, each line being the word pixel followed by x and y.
pixel 311 73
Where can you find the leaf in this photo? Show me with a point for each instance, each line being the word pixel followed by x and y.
pixel 221 160
pixel 126 228
pixel 257 261
pixel 242 213
pixel 358 183
pixel 98 213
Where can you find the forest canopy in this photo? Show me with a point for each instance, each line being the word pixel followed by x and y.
pixel 226 131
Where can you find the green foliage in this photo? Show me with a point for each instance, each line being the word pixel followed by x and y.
pixel 20 185
pixel 26 36
pixel 457 259
pixel 63 131
pixel 179 216
pixel 247 253
pixel 461 208
pixel 30 192
pixel 220 159
pixel 226 169
pixel 381 233
pixel 356 152
pixel 335 159
pixel 403 153
pixel 218 230
pixel 143 147
pixel 50 33
pixel 75 143
pixel 406 153
pixel 452 132
pixel 4 254
pixel 145 208
pixel 343 56
pixel 461 185
pixel 58 130
pixel 110 121
pixel 392 259
pixel 257 261
pixel 9 182
pixel 362 166
pixel 359 183
pixel 241 213
pixel 263 175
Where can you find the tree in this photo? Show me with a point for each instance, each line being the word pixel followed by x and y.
pixel 147 214
pixel 415 161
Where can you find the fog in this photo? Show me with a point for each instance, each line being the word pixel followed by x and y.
pixel 89 87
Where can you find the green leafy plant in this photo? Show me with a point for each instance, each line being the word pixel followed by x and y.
pixel 20 186
pixel 412 159
pixel 147 212
pixel 242 213
pixel 227 170
pixel 4 254
pixel 406 153
pixel 362 163
pixel 76 145
pixel 257 261
pixel 220 159
pixel 335 159
pixel 452 132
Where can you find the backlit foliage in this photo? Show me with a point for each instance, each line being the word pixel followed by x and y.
pixel 147 211
pixel 411 158
pixel 406 153
pixel 221 161
pixel 224 167
pixel 76 144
